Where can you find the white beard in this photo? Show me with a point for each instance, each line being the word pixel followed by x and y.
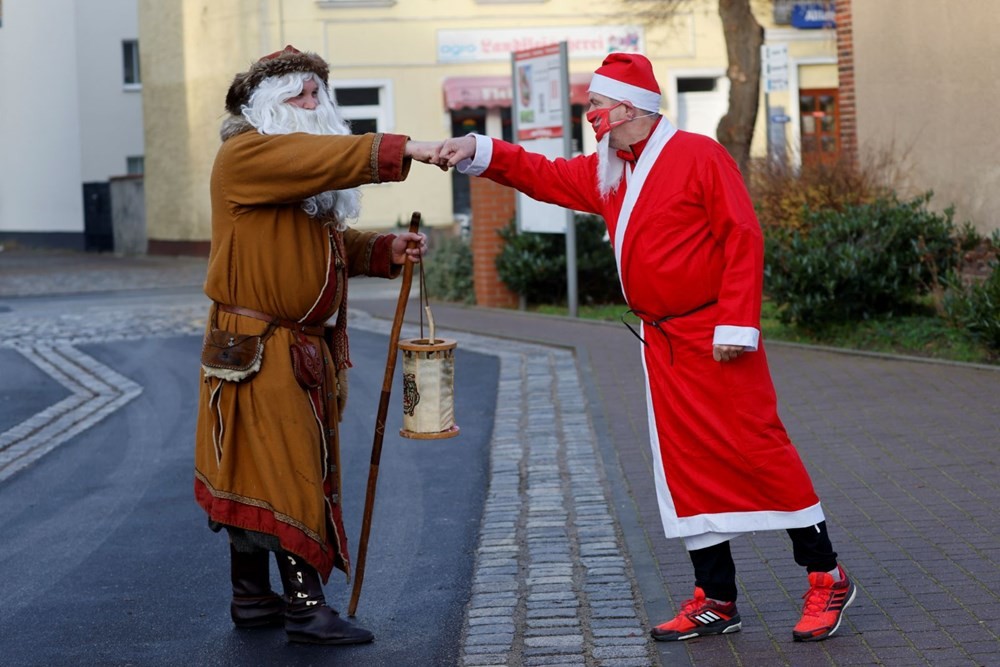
pixel 282 118
pixel 610 167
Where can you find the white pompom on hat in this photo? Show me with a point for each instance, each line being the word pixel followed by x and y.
pixel 628 77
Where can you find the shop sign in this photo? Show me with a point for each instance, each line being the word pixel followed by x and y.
pixel 462 46
pixel 813 15
pixel 774 67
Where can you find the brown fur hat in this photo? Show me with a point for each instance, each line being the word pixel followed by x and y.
pixel 286 61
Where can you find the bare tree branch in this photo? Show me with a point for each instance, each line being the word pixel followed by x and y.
pixel 654 11
pixel 744 36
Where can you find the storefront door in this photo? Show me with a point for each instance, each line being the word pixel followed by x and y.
pixel 820 126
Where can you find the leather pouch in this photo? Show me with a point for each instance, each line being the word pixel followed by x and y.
pixel 230 356
pixel 307 364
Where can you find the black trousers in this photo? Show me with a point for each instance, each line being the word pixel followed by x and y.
pixel 715 572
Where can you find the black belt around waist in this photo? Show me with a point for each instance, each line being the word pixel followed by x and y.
pixel 308 329
pixel 655 323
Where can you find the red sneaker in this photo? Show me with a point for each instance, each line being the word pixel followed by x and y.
pixel 824 606
pixel 699 616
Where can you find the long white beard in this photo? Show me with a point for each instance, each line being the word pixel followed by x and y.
pixel 610 167
pixel 283 118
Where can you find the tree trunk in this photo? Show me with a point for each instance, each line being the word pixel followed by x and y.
pixel 744 37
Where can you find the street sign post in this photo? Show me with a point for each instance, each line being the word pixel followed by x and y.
pixel 542 124
pixel 774 70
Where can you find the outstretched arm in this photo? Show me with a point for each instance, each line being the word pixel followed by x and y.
pixel 570 183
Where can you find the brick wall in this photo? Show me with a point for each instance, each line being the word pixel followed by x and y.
pixel 845 67
pixel 493 207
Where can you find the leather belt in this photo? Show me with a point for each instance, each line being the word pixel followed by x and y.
pixel 308 329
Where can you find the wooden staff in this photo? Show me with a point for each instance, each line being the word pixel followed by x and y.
pixel 383 407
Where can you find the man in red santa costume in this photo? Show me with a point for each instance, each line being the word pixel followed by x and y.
pixel 690 259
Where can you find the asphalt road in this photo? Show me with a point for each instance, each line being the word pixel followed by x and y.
pixel 107 560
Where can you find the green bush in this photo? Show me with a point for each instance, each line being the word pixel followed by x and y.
pixel 534 264
pixel 866 260
pixel 976 308
pixel 449 275
pixel 597 271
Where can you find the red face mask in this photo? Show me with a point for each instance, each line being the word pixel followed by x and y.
pixel 600 120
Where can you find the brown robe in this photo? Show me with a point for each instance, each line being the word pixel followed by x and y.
pixel 267 450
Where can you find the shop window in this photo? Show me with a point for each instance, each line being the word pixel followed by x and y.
pixel 464 121
pixel 130 65
pixel 819 126
pixel 364 105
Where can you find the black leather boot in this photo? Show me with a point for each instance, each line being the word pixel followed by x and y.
pixel 254 604
pixel 308 619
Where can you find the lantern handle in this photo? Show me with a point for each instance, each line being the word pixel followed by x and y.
pixel 425 301
pixel 430 324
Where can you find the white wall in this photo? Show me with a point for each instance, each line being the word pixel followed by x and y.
pixel 64 116
pixel 110 116
pixel 39 125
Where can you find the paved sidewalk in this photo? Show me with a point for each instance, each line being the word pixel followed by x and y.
pixel 572 567
pixel 904 454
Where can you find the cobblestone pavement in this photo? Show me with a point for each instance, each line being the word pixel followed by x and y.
pixel 904 455
pixel 572 566
pixel 552 584
pixel 41 272
pixel 48 338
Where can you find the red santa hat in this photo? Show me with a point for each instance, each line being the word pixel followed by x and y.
pixel 286 61
pixel 628 77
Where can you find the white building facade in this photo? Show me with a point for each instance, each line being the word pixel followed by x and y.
pixel 70 118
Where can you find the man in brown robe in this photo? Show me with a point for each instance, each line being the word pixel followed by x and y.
pixel 267 465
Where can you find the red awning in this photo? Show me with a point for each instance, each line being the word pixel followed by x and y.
pixel 464 92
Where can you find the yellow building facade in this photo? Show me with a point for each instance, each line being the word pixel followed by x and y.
pixel 429 69
pixel 925 86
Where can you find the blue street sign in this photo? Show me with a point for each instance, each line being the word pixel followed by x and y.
pixel 813 15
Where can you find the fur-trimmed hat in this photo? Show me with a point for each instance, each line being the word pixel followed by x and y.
pixel 286 61
pixel 628 76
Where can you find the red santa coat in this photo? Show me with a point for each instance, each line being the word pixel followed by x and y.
pixel 686 239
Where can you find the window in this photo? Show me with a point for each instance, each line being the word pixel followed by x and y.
pixel 819 125
pixel 782 13
pixel 130 64
pixel 365 104
pixel 697 84
pixel 135 165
